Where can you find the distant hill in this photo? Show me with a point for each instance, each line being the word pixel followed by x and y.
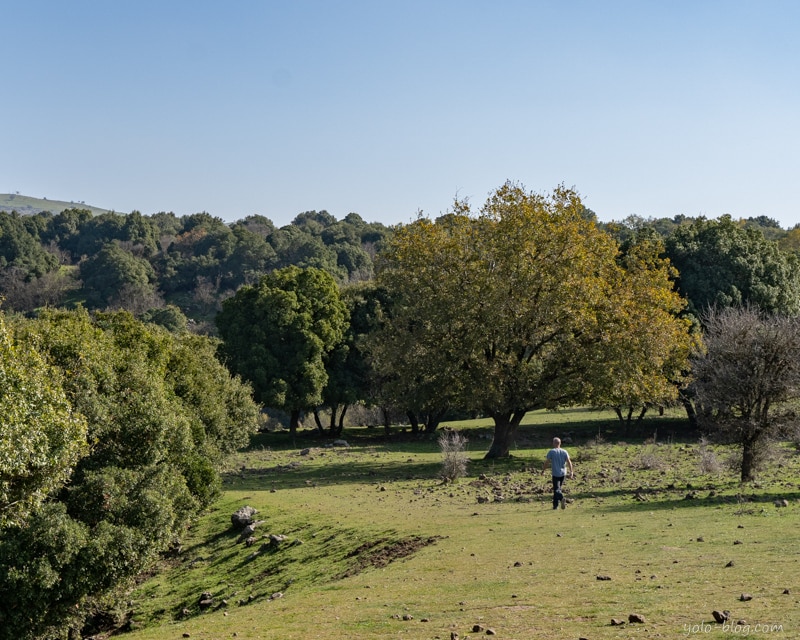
pixel 27 206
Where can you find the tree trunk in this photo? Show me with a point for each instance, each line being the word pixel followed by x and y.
pixel 748 460
pixel 690 411
pixel 618 411
pixel 433 419
pixel 412 419
pixel 505 428
pixel 294 420
pixel 318 422
pixel 387 427
pixel 332 423
pixel 642 413
pixel 341 421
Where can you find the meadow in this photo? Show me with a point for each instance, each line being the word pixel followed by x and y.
pixel 367 541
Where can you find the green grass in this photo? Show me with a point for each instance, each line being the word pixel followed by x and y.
pixel 511 564
pixel 26 205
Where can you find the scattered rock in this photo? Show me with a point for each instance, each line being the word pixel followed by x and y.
pixel 250 529
pixel 741 623
pixel 786 592
pixel 206 600
pixel 187 635
pixel 243 516
pixel 275 540
pixel 491 632
pixel 636 618
pixel 737 542
pixel 453 635
pixel 407 617
pixel 340 443
pixel 185 613
pixel 700 539
pixel 745 597
pixel 476 628
pixel 616 622
pixel 604 577
pixel 730 564
pixel 276 595
pixel 305 452
pixel 782 503
pixel 250 541
pixel 721 616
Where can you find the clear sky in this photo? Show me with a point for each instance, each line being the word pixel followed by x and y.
pixel 384 108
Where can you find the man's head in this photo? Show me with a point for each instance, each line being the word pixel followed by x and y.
pixel 556 442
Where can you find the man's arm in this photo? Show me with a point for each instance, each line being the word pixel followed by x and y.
pixel 571 470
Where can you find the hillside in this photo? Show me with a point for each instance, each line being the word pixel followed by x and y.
pixel 28 206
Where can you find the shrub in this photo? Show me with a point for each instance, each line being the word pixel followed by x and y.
pixel 648 459
pixel 454 463
pixel 708 459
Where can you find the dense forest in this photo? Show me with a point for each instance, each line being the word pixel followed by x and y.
pixel 156 265
pixel 146 264
pixel 136 351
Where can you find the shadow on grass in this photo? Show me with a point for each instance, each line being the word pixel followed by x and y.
pixel 573 425
pixel 295 474
pixel 683 499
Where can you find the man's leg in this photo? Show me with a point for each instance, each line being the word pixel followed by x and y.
pixel 557 494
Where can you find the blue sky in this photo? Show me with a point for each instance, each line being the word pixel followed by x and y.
pixel 386 108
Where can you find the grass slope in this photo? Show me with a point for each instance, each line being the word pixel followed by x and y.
pixel 378 546
pixel 26 205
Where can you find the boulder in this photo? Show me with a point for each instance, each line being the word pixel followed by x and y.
pixel 243 516
pixel 721 616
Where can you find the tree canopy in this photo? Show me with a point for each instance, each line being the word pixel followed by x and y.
pixel 277 334
pixel 504 311
pixel 723 264
pixel 112 463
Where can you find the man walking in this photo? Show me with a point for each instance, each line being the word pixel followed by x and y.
pixel 559 460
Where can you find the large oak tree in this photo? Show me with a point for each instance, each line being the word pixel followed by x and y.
pixel 510 310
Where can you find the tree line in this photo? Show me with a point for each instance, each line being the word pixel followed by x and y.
pixel 526 303
pixel 115 417
pixel 188 263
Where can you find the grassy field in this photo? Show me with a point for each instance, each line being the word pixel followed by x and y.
pixel 376 545
pixel 26 205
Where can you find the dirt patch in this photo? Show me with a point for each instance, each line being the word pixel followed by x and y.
pixel 380 553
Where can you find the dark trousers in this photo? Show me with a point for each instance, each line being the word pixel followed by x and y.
pixel 557 494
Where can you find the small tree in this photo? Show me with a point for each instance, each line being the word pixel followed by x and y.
pixel 751 367
pixel 276 335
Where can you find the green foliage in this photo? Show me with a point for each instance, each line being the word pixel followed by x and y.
pixel 170 317
pixel 113 271
pixel 160 411
pixel 723 264
pixel 277 334
pixel 501 312
pixel 41 438
pixel 642 356
pixel 20 248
